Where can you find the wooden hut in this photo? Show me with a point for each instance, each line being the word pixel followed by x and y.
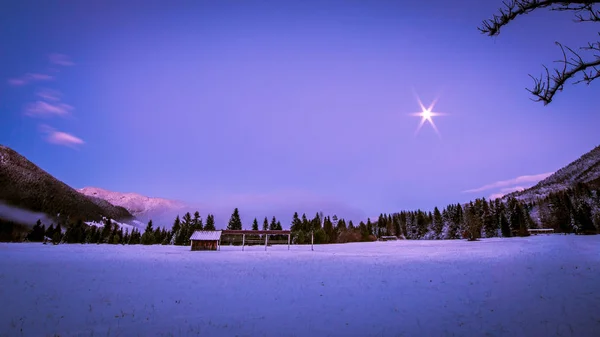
pixel 205 240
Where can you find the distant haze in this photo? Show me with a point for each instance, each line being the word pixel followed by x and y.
pixel 22 216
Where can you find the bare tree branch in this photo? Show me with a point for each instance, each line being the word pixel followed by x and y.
pixel 573 65
pixel 546 86
pixel 515 8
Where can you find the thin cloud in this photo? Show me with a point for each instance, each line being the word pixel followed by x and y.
pixel 511 182
pixel 44 109
pixel 506 191
pixel 28 78
pixel 49 95
pixel 496 196
pixel 54 136
pixel 61 59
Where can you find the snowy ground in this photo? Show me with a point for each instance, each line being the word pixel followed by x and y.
pixel 538 286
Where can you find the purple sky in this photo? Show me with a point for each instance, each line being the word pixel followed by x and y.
pixel 277 105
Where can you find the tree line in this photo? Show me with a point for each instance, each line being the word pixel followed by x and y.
pixel 573 210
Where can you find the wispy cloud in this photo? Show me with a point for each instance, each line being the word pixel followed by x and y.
pixel 28 78
pixel 506 191
pixel 21 215
pixel 44 109
pixel 527 179
pixel 54 136
pixel 61 59
pixel 49 95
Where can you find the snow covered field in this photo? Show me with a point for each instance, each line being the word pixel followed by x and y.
pixel 536 286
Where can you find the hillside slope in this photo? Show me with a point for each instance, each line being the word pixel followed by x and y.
pixel 26 186
pixel 586 170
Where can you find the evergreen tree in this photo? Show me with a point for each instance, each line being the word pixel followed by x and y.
pixel 255 225
pixel 265 224
pixel 438 223
pixel 583 218
pixel 185 231
pixel 50 231
pixel 37 233
pixel 235 223
pixel 350 225
pixel 472 223
pixel 307 225
pixel 341 225
pixel 210 223
pixel 504 226
pixel 197 222
pixel 489 226
pixel 318 221
pixel 273 224
pixel 328 229
pixel 364 231
pixel 186 221
pixel 176 224
pixel 125 237
pixel 148 236
pixel 106 230
pixel 296 223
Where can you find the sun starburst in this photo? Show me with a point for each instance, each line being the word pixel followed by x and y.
pixel 427 115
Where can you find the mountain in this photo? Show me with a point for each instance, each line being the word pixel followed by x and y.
pixel 142 207
pixel 586 170
pixel 26 188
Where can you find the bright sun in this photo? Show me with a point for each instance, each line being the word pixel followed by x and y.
pixel 427 115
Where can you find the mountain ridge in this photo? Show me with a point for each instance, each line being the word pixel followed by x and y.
pixel 585 169
pixel 140 206
pixel 26 186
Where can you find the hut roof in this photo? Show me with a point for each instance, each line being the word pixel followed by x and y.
pixel 206 236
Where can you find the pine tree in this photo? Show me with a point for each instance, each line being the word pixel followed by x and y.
pixel 255 225
pixel 472 223
pixel 37 233
pixel 328 229
pixel 504 226
pixel 197 222
pixel 186 221
pixel 307 226
pixel 50 231
pixel 148 236
pixel 350 225
pixel 364 231
pixel 210 223
pixel 341 225
pixel 235 223
pixel 176 226
pixel 125 237
pixel 106 230
pixel 266 224
pixel 273 224
pixel 438 223
pixel 296 223
pixel 318 221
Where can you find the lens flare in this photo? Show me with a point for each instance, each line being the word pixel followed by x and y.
pixel 427 115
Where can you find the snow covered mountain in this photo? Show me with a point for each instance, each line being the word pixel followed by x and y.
pixel 586 169
pixel 142 207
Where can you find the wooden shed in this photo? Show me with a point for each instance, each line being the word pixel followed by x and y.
pixel 205 240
